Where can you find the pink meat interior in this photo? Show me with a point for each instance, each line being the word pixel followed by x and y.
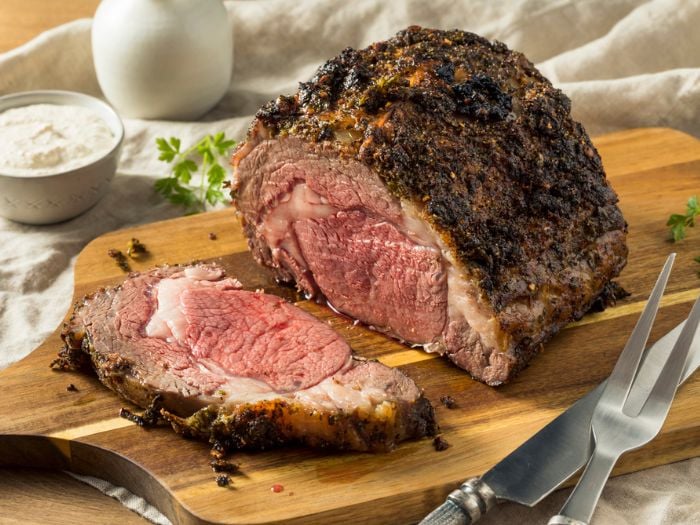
pixel 335 229
pixel 245 334
pixel 370 270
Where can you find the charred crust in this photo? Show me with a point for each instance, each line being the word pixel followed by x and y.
pixel 481 98
pixel 612 292
pixel 423 417
pixel 326 133
pixel 267 424
pixel 71 356
pixel 222 465
pixel 478 138
pixel 151 417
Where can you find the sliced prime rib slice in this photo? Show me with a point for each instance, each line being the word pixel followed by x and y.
pixel 240 367
pixel 435 187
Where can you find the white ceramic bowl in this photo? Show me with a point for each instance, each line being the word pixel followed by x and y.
pixel 45 199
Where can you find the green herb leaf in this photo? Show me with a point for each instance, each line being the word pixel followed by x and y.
pixel 183 170
pixel 675 219
pixel 678 222
pixel 213 195
pixel 202 160
pixel 678 232
pixel 166 186
pixel 216 175
pixel 167 152
pixel 692 209
pixel 186 199
pixel 221 144
pixel 204 149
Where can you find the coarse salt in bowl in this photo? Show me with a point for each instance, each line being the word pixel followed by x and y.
pixel 58 155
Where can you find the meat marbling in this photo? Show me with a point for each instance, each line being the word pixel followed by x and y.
pixel 240 367
pixel 435 187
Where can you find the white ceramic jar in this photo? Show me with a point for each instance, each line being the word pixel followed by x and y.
pixel 163 59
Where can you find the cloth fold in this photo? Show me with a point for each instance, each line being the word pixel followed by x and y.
pixel 624 63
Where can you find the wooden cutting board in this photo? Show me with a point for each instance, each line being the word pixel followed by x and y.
pixel 43 424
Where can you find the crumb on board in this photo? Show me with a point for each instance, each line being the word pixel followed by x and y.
pixel 135 248
pixel 440 443
pixel 448 401
pixel 72 388
pixel 119 258
pixel 212 236
pixel 277 488
pixel 223 480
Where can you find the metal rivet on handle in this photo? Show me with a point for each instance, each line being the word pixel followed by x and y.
pixel 474 497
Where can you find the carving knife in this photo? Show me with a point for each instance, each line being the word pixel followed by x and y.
pixel 551 456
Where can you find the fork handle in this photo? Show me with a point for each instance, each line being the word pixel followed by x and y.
pixel 578 509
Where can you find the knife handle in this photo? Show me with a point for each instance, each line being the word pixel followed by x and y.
pixel 463 506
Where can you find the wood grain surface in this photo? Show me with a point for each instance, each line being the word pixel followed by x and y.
pixel 654 171
pixel 22 20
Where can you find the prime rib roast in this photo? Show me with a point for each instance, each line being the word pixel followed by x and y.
pixel 435 187
pixel 239 367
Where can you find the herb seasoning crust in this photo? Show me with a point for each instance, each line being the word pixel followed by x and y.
pixel 485 147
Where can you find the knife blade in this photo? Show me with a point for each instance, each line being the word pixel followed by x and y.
pixel 529 474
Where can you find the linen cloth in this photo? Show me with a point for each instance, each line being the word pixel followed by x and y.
pixel 624 63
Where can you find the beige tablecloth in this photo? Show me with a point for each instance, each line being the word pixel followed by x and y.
pixel 624 63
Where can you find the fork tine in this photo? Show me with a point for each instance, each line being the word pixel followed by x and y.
pixel 659 400
pixel 625 370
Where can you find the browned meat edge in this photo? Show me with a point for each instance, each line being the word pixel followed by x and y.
pixel 260 425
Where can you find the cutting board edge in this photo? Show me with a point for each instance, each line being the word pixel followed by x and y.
pixel 178 511
pixel 223 213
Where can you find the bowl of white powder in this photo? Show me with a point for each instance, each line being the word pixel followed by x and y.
pixel 58 154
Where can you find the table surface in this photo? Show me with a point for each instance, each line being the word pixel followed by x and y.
pixel 33 496
pixel 22 20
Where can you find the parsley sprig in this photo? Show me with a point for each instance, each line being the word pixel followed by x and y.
pixel 177 186
pixel 678 222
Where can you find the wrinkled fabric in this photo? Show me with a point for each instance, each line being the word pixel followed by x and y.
pixel 624 63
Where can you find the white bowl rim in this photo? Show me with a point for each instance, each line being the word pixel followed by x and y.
pixel 63 98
